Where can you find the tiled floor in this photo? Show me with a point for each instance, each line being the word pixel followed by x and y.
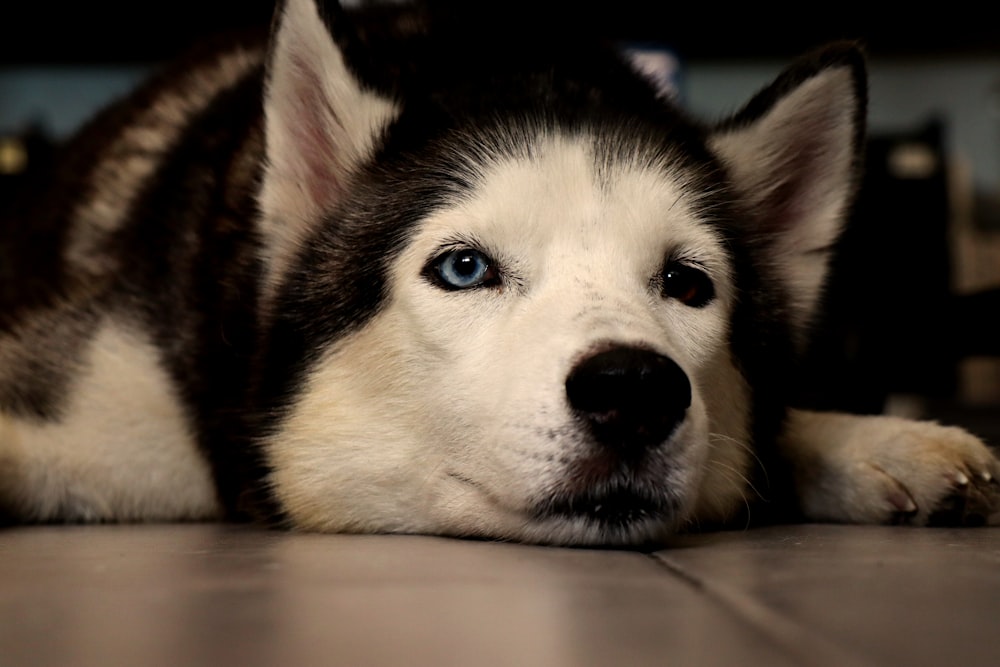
pixel 223 595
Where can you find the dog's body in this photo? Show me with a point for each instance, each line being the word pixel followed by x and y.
pixel 515 296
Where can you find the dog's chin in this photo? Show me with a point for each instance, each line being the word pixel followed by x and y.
pixel 615 516
pixel 619 517
pixel 617 511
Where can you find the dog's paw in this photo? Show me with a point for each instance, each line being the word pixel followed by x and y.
pixel 889 470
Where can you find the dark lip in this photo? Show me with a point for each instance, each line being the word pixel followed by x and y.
pixel 618 515
pixel 618 507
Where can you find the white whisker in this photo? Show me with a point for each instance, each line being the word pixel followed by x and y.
pixel 740 482
pixel 714 438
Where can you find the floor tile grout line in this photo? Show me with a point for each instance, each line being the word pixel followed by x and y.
pixel 803 645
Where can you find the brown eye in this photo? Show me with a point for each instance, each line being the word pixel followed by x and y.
pixel 687 284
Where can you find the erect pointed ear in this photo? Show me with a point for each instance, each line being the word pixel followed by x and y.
pixel 794 153
pixel 321 123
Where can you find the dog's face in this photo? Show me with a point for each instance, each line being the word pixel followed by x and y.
pixel 546 365
pixel 530 330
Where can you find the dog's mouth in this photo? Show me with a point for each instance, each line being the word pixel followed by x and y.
pixel 613 510
pixel 616 494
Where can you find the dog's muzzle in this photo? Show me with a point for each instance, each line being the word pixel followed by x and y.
pixel 631 398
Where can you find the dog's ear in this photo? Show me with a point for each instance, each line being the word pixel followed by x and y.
pixel 321 122
pixel 794 153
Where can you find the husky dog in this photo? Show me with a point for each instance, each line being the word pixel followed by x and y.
pixel 385 277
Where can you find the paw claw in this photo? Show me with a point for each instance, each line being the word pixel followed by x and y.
pixel 885 469
pixel 903 503
pixel 968 504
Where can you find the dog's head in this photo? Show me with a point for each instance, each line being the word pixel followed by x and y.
pixel 522 296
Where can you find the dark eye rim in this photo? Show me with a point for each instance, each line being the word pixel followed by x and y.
pixel 432 271
pixel 691 284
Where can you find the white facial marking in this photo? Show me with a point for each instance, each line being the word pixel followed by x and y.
pixel 447 412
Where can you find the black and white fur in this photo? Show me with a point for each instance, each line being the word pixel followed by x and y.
pixel 381 276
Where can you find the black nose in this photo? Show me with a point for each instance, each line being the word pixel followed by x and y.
pixel 631 398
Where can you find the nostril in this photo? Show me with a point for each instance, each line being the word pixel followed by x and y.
pixel 629 396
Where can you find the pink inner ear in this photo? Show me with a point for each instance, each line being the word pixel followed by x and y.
pixel 787 203
pixel 800 174
pixel 312 124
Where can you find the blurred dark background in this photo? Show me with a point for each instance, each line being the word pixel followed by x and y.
pixel 113 32
pixel 911 319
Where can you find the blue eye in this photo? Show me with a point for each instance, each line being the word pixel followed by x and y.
pixel 463 268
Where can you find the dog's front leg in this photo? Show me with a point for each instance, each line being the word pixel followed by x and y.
pixel 878 469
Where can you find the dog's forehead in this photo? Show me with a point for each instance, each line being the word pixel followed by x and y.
pixel 569 192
